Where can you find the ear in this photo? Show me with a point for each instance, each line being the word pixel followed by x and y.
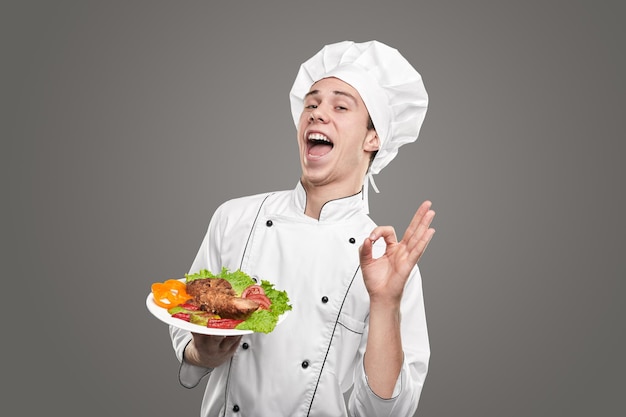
pixel 372 141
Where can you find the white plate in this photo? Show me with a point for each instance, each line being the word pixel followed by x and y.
pixel 162 314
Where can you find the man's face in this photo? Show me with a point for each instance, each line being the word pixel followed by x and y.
pixel 333 138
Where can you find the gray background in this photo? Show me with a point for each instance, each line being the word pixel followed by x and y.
pixel 125 124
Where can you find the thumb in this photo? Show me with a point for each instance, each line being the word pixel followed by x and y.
pixel 365 251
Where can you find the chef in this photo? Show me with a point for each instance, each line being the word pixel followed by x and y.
pixel 355 342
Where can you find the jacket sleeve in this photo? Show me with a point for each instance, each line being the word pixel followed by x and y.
pixel 206 258
pixel 363 401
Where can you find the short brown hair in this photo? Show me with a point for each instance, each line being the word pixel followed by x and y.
pixel 370 126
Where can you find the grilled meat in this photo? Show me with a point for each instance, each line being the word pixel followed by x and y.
pixel 217 296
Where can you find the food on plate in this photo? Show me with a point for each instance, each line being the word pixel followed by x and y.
pixel 217 296
pixel 230 300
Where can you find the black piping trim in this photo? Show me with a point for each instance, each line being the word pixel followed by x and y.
pixel 230 366
pixel 337 199
pixel 319 377
pixel 245 249
pixel 180 367
pixel 349 329
pixel 306 196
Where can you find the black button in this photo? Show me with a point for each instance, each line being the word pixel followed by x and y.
pixel 305 364
pixel 235 408
pixel 324 299
pixel 269 223
pixel 245 345
pixel 352 240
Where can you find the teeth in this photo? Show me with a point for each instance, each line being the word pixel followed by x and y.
pixel 318 136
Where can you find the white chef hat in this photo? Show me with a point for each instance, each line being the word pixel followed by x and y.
pixel 390 87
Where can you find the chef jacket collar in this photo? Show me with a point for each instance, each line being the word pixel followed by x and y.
pixel 334 210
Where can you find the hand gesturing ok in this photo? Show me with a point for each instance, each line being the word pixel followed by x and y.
pixel 386 276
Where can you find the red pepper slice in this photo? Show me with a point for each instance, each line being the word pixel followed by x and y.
pixel 223 323
pixel 182 316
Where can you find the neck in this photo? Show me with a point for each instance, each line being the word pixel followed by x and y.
pixel 318 195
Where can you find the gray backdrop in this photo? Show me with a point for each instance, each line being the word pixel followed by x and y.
pixel 125 124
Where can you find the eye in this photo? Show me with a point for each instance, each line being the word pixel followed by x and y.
pixel 341 108
pixel 311 106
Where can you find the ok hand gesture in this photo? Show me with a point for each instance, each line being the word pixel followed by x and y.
pixel 386 276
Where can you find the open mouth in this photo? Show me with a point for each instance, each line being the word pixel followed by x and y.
pixel 318 144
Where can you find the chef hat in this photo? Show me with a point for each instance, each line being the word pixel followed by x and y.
pixel 390 87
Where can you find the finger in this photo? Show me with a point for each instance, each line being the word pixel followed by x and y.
pixel 203 339
pixel 422 227
pixel 420 222
pixel 417 218
pixel 388 233
pixel 420 245
pixel 208 342
pixel 365 251
pixel 228 342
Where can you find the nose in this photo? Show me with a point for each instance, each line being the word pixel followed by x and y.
pixel 316 115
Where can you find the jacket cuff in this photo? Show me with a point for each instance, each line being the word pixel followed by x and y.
pixel 189 375
pixel 397 389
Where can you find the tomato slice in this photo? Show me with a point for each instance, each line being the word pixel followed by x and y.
pixel 223 323
pixel 252 289
pixel 262 299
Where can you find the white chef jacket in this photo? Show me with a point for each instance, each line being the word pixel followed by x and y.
pixel 304 367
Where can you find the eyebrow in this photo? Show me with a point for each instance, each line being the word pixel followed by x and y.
pixel 335 92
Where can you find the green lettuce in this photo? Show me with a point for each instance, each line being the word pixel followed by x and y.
pixel 261 321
